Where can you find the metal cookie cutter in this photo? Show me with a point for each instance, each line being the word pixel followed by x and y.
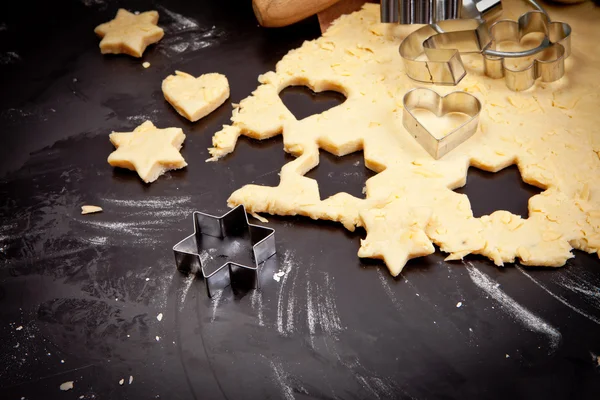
pixel 431 54
pixel 548 63
pixel 424 98
pixel 227 241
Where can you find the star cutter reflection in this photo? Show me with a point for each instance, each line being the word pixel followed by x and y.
pixel 230 232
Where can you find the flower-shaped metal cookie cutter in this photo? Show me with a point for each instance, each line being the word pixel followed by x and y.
pixel 461 102
pixel 229 241
pixel 547 64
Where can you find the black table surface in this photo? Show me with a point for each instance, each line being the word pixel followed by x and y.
pixel 80 295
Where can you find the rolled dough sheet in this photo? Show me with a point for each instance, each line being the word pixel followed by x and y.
pixel 551 132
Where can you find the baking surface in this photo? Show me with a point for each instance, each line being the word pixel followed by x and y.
pixel 80 295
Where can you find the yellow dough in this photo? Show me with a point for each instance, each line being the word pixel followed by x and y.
pixel 129 33
pixel 195 98
pixel 551 132
pixel 148 150
pixel 90 209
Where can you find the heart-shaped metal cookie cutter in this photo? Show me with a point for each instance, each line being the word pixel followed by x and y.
pixel 461 102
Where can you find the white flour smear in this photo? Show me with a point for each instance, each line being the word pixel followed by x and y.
pixel 162 202
pixel 139 228
pixel 376 386
pixel 10 57
pixel 517 311
pixel 281 379
pixel 581 285
pixel 559 298
pixel 257 304
pixel 139 119
pixel 321 308
pixel 187 283
pixel 91 3
pixel 388 289
pixel 216 300
pixel 178 22
pixel 288 263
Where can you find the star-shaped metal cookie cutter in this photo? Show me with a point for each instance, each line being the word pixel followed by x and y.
pixel 230 237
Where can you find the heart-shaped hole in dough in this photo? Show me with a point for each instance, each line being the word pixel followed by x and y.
pixel 304 102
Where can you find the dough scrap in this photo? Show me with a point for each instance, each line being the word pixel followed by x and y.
pixel 551 132
pixel 90 209
pixel 148 150
pixel 129 33
pixel 195 98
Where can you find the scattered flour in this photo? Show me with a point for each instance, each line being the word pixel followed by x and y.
pixel 277 275
pixel 9 57
pixel 176 22
pixel 281 379
pixel 187 283
pixel 388 289
pixel 257 304
pixel 558 297
pixel 159 202
pixel 216 300
pixel 517 311
pixel 288 264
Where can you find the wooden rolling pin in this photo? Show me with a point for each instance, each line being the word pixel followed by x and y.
pixel 276 13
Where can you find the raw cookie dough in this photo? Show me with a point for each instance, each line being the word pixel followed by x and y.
pixel 195 98
pixel 129 33
pixel 148 150
pixel 551 132
pixel 90 209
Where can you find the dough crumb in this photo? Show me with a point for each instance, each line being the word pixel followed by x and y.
pixel 459 304
pixel 121 382
pixel 90 209
pixel 148 150
pixel 278 275
pixel 66 386
pixel 259 217
pixel 129 33
pixel 130 379
pixel 146 64
pixel 159 317
pixel 195 98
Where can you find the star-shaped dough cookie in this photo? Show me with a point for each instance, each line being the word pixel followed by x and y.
pixel 195 98
pixel 148 150
pixel 129 33
pixel 395 234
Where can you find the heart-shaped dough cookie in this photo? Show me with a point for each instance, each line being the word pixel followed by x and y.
pixel 195 98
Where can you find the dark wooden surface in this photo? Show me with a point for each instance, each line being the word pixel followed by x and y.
pixel 80 295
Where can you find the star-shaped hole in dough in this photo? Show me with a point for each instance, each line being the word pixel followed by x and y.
pixel 148 150
pixel 129 33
